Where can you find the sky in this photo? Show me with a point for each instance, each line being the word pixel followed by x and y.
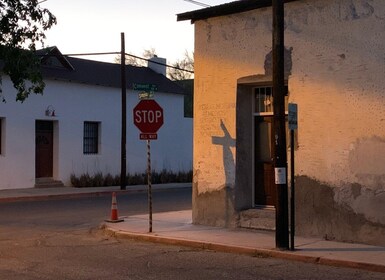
pixel 94 26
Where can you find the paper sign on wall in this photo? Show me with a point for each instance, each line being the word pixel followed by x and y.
pixel 280 175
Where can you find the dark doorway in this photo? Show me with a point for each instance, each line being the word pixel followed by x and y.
pixel 255 180
pixel 44 149
pixel 265 191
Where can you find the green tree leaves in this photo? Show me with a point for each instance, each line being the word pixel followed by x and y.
pixel 22 26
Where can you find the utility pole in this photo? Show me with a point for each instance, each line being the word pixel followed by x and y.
pixel 280 153
pixel 124 114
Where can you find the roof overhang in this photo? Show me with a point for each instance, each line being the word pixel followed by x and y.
pixel 226 9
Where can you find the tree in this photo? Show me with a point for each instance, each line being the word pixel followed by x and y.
pixel 22 26
pixel 178 72
pixel 136 60
pixel 182 69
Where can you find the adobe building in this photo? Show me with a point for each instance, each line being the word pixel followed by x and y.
pixel 334 70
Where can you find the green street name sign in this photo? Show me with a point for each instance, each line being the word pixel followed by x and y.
pixel 145 87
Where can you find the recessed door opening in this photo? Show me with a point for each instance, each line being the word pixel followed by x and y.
pixel 44 149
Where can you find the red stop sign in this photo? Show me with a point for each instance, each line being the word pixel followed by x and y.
pixel 148 116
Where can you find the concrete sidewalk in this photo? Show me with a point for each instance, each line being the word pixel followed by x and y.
pixel 29 194
pixel 176 228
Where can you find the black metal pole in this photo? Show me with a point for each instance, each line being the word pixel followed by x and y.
pixel 292 196
pixel 124 114
pixel 280 153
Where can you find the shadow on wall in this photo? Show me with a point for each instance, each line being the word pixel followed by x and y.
pixel 227 142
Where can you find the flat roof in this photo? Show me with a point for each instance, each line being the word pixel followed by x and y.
pixel 226 9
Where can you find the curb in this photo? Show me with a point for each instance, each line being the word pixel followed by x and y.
pixel 83 195
pixel 53 196
pixel 255 252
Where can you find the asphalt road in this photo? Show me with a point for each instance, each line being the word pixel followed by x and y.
pixel 89 212
pixel 60 239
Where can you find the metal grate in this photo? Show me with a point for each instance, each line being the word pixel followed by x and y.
pixel 264 100
pixel 91 138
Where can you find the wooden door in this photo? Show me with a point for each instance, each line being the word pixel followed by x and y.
pixel 44 149
pixel 265 190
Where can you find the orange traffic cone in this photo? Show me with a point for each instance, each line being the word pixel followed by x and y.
pixel 114 211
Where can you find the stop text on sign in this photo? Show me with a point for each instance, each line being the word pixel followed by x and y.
pixel 148 116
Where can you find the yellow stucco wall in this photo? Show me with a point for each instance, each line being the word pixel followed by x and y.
pixel 338 82
pixel 337 79
pixel 222 55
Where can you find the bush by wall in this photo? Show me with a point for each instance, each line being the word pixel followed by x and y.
pixel 100 179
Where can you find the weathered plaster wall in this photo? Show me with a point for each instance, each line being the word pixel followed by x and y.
pixel 223 53
pixel 320 214
pixel 338 67
pixel 337 80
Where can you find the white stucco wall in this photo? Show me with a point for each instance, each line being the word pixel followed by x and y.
pixel 338 68
pixel 74 104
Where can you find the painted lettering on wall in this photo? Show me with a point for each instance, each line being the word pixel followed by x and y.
pixel 211 115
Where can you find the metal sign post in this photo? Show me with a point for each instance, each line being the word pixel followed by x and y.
pixel 149 185
pixel 148 117
pixel 293 125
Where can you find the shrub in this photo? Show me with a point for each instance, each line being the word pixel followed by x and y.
pixel 74 180
pixel 136 179
pixel 99 180
pixel 85 180
pixel 116 180
pixel 109 180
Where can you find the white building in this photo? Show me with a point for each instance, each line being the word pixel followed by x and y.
pixel 75 126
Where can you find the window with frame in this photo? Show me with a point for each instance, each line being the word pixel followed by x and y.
pixel 264 100
pixel 91 138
